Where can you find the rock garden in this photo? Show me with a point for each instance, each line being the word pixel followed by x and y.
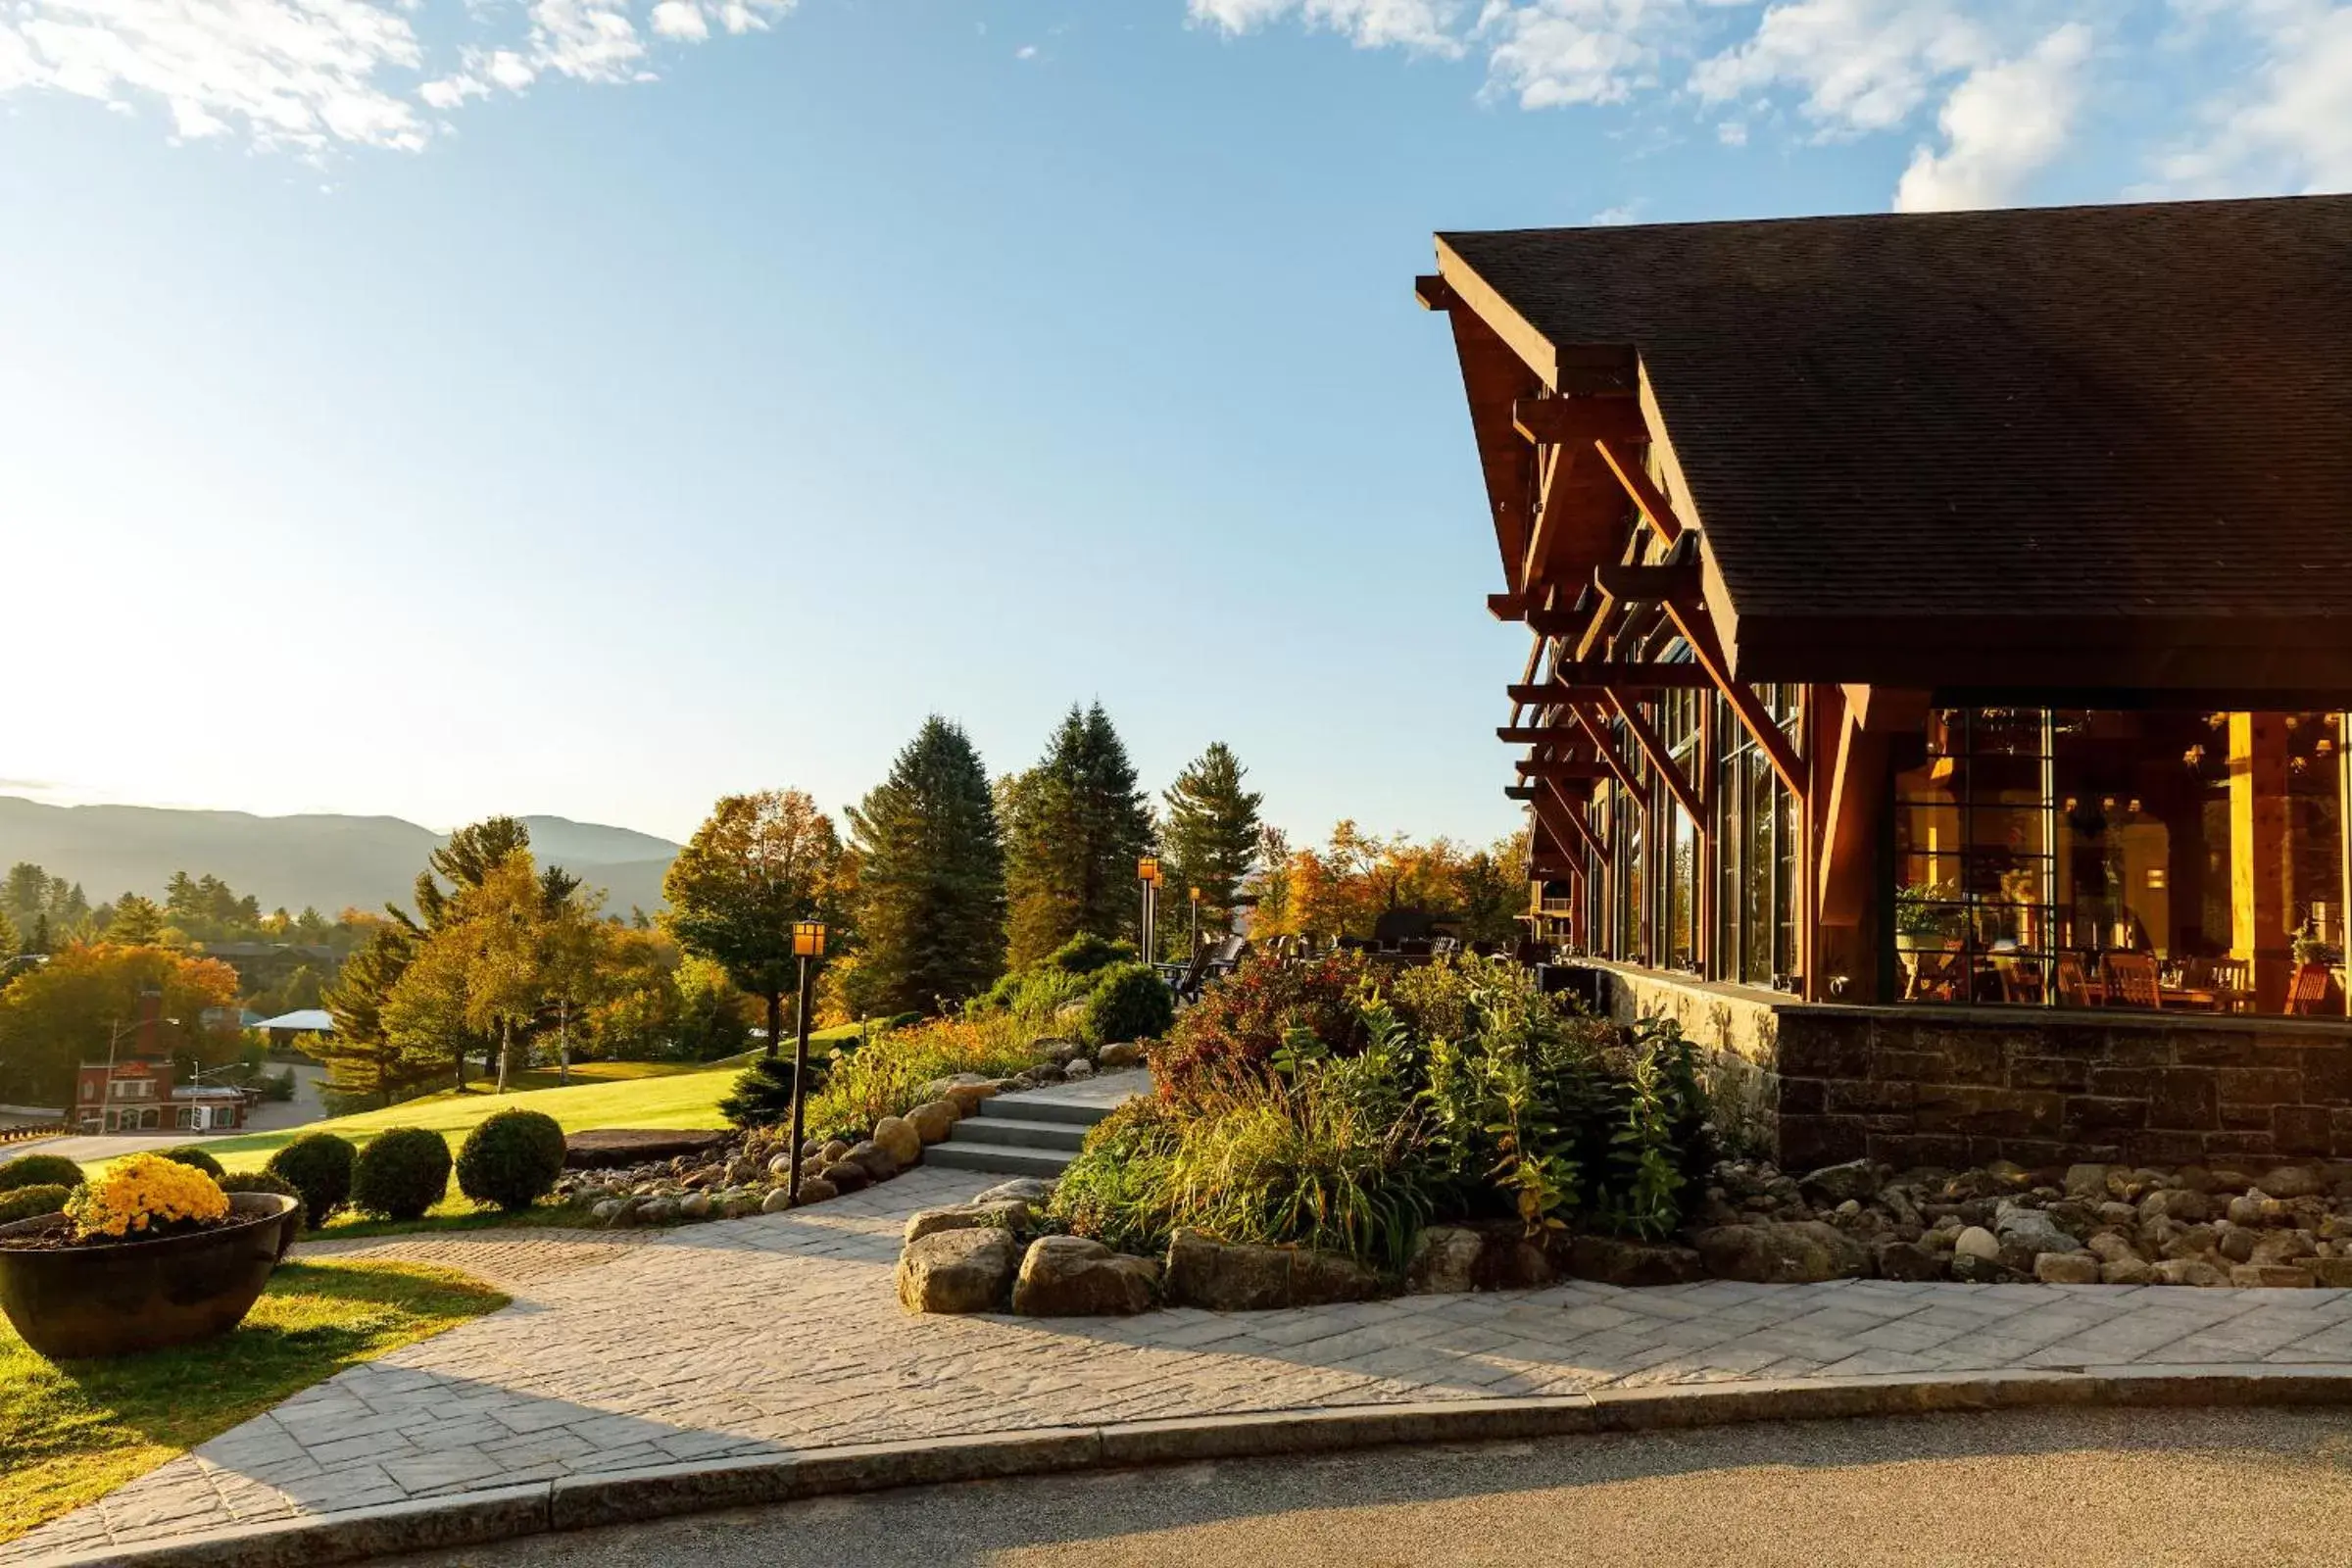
pixel 1326 1133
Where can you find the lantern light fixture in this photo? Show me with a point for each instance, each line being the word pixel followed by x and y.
pixel 809 938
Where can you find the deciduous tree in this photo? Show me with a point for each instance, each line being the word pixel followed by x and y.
pixel 758 866
pixel 66 1012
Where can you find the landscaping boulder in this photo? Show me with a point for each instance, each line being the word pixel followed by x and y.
pixel 2272 1276
pixel 957 1272
pixel 815 1190
pixel 1209 1273
pixel 1979 1243
pixel 1005 1214
pixel 1125 1054
pixel 2067 1268
pixel 2294 1181
pixel 2187 1271
pixel 1803 1253
pixel 1070 1276
pixel 845 1176
pixel 897 1137
pixel 1855 1181
pixel 1445 1260
pixel 695 1205
pixel 2086 1181
pixel 613 1147
pixel 878 1163
pixel 1909 1260
pixel 1078 1067
pixel 934 1120
pixel 2031 1231
pixel 1021 1189
pixel 1621 1260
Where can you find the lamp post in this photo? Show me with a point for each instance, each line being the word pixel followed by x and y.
pixel 1196 919
pixel 808 943
pixel 1147 871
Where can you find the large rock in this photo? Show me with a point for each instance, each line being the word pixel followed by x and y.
pixel 1621 1260
pixel 2087 1182
pixel 845 1176
pixel 2294 1181
pixel 1909 1260
pixel 2272 1276
pixel 957 1272
pixel 1800 1254
pixel 1445 1260
pixel 2031 1231
pixel 1977 1242
pixel 1021 1189
pixel 616 1148
pixel 934 1120
pixel 1010 1215
pixel 896 1137
pixel 2067 1268
pixel 1069 1276
pixel 1127 1054
pixel 1857 1180
pixel 1207 1273
pixel 877 1162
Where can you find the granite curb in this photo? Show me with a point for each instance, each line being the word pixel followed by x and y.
pixel 586 1501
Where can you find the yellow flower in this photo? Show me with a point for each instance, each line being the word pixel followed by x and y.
pixel 142 1193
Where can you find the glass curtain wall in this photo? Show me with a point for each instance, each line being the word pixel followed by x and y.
pixel 1759 836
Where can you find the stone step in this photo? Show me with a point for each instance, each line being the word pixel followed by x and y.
pixel 1061 1135
pixel 1034 1107
pixel 1005 1159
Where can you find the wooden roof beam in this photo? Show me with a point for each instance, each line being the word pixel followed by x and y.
pixel 1606 749
pixel 1434 293
pixel 1698 630
pixel 1544 693
pixel 1566 822
pixel 1652 500
pixel 1562 769
pixel 1628 672
pixel 1648 584
pixel 1654 748
pixel 1581 421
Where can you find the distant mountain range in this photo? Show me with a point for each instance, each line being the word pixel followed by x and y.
pixel 327 863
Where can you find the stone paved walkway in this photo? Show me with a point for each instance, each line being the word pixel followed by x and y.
pixel 781 1334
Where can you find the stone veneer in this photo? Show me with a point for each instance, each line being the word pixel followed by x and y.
pixel 1963 1085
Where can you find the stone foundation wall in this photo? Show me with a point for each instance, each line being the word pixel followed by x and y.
pixel 1936 1085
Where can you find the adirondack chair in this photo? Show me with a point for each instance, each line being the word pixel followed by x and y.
pixel 2308 993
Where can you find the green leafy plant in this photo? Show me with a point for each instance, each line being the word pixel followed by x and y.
pixel 1129 1002
pixel 403 1172
pixel 30 1203
pixel 319 1165
pixel 512 1159
pixel 260 1181
pixel 41 1170
pixel 762 1092
pixel 190 1156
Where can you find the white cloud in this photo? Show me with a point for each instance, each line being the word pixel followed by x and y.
pixel 1027 51
pixel 290 73
pixel 2289 127
pixel 312 74
pixel 1862 65
pixel 1422 26
pixel 1552 53
pixel 2002 125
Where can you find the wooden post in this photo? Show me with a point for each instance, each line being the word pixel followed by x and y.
pixel 2259 852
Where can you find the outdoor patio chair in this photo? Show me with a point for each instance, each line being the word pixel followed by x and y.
pixel 2131 981
pixel 2231 981
pixel 2308 992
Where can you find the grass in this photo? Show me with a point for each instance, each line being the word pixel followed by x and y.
pixel 71 1431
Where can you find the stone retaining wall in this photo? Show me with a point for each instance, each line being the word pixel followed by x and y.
pixel 1953 1085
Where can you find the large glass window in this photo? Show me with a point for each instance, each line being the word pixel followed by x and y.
pixel 1758 840
pixel 1972 879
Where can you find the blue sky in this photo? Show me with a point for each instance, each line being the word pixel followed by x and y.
pixel 530 406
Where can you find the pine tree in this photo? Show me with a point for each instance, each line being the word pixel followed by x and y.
pixel 11 941
pixel 136 922
pixel 931 878
pixel 1211 833
pixel 363 1061
pixel 1077 824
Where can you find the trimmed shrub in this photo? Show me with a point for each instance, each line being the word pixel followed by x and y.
pixel 190 1156
pixel 39 1170
pixel 28 1202
pixel 1130 1001
pixel 260 1181
pixel 319 1167
pixel 402 1173
pixel 1243 1019
pixel 762 1092
pixel 511 1160
pixel 1087 953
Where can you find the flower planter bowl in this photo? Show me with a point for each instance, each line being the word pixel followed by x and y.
pixel 143 1295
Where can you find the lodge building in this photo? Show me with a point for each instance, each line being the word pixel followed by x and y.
pixel 1939 643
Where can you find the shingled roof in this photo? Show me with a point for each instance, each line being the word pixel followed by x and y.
pixel 1955 447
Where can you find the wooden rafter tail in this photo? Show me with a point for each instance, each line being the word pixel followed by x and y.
pixel 1562 769
pixel 1654 748
pixel 1648 584
pixel 1581 421
pixel 1434 293
pixel 1700 632
pixel 1508 607
pixel 1628 674
pixel 1541 694
pixel 1534 734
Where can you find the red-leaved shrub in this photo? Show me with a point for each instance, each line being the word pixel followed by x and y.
pixel 1239 1020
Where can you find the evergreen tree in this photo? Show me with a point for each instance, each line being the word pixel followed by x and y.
pixel 467 860
pixel 136 922
pixel 931 879
pixel 12 941
pixel 1211 832
pixel 1077 825
pixel 363 1061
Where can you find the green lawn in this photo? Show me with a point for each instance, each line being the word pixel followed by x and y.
pixel 71 1431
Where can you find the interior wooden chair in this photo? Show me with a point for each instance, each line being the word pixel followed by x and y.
pixel 2232 981
pixel 2309 991
pixel 2132 980
pixel 2074 989
pixel 2021 982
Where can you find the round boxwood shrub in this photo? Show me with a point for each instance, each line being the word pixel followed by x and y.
pixel 1130 1001
pixel 190 1155
pixel 512 1159
pixel 1089 954
pixel 39 1170
pixel 319 1167
pixel 26 1202
pixel 260 1181
pixel 402 1174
